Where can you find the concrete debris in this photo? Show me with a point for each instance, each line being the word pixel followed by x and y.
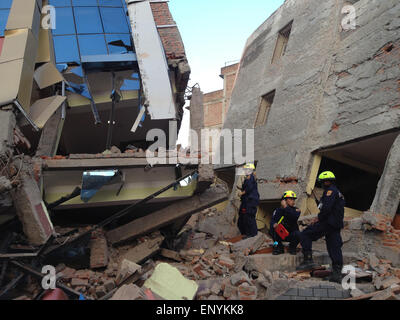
pixel 128 293
pixel 144 250
pixel 173 255
pixel 98 251
pixel 250 245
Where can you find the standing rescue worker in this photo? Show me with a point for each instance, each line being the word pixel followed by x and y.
pixel 328 224
pixel 250 199
pixel 287 215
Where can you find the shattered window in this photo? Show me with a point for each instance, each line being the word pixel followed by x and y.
pixel 99 27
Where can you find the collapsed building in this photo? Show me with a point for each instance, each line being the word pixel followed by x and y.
pixel 323 95
pixel 83 83
pixel 102 218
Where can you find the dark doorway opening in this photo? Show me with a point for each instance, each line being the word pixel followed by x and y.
pixel 358 186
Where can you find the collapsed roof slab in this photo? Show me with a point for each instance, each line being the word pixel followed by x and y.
pixel 61 177
pixel 168 215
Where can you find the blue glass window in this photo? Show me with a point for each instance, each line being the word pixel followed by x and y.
pixel 60 3
pixel 5 4
pixel 111 3
pixel 88 20
pixel 84 2
pixel 114 20
pixel 66 48
pixel 92 44
pixel 125 38
pixel 3 21
pixel 64 22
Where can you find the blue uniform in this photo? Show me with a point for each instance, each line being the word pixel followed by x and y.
pixel 330 223
pixel 290 216
pixel 248 209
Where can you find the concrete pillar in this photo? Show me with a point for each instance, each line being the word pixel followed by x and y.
pixel 196 117
pixel 387 197
pixel 30 208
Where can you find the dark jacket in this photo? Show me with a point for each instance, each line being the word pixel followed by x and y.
pixel 251 198
pixel 291 216
pixel 332 207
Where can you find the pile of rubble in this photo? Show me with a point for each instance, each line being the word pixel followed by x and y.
pixel 212 268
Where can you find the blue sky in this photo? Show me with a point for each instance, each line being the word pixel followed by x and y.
pixel 214 32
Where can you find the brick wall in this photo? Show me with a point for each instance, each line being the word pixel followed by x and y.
pixel 213 104
pixel 170 36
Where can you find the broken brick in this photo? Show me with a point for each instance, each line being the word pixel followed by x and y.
pixel 76 282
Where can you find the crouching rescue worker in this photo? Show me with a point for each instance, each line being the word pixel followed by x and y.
pixel 287 215
pixel 328 224
pixel 250 199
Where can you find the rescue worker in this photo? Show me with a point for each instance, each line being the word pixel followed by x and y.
pixel 288 214
pixel 328 224
pixel 250 199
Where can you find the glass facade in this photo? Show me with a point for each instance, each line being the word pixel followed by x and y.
pixel 5 6
pixel 88 27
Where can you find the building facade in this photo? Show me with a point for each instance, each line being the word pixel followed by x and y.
pixel 83 82
pixel 93 52
pixel 319 83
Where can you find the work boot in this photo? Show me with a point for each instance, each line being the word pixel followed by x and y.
pixel 278 250
pixel 308 262
pixel 336 275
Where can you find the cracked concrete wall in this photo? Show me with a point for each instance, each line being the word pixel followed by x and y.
pixel 332 85
pixel 387 198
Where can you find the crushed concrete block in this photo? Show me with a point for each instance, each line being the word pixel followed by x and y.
pixel 31 209
pixel 230 291
pixel 216 289
pixel 98 252
pixel 268 276
pixel 144 250
pixel 250 244
pixel 173 255
pixel 381 283
pixel 355 293
pixel 77 282
pixel 128 293
pixel 67 273
pixel 127 269
pixel 355 224
pixel 385 295
pixel 205 292
pixel 109 285
pixel 369 218
pixel 168 215
pixel 373 261
pixel 227 262
pixel 101 291
pixel 239 278
pixel 247 292
pixel 83 274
